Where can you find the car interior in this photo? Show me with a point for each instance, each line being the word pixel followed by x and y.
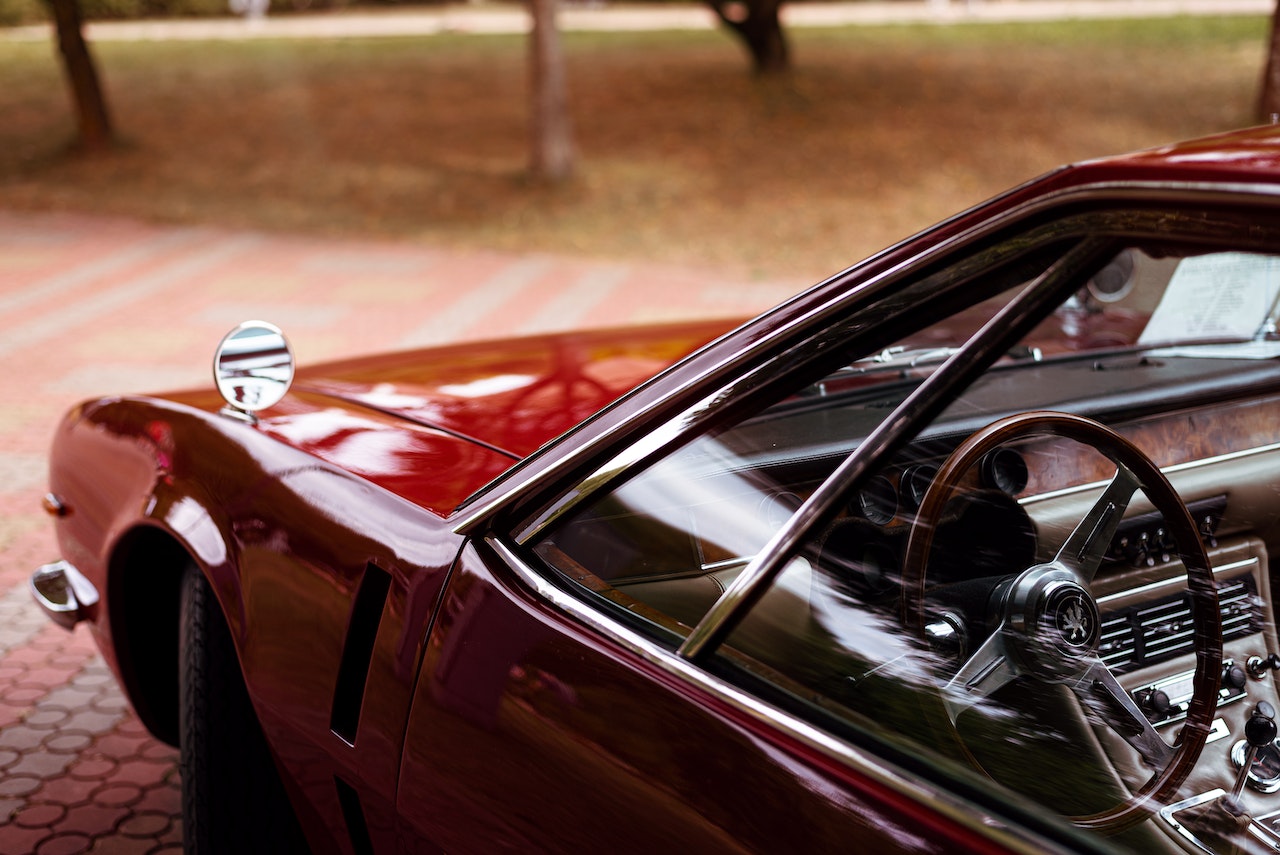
pixel 1014 585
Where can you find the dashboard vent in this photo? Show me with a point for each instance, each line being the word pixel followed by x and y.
pixel 1119 645
pixel 1144 635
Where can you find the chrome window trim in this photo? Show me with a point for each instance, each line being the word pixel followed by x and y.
pixel 651 443
pixel 959 810
pixel 486 503
pixel 1188 466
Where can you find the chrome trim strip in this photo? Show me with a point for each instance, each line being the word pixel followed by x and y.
pixel 954 808
pixel 726 564
pixel 62 593
pixel 1167 814
pixel 631 455
pixel 1190 465
pixel 1172 582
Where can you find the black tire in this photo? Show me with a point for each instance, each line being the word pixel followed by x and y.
pixel 232 796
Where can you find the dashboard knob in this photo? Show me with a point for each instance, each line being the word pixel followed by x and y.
pixel 1260 729
pixel 1234 676
pixel 1156 702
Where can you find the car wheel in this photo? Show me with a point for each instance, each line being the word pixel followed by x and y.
pixel 232 796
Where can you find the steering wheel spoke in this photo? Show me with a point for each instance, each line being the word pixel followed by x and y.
pixel 1103 695
pixel 989 668
pixel 1083 550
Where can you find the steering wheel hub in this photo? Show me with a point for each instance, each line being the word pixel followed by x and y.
pixel 1071 619
pixel 1051 622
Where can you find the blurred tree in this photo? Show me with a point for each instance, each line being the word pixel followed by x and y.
pixel 759 26
pixel 1269 99
pixel 92 119
pixel 552 136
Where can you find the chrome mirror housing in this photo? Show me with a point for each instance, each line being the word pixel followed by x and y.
pixel 253 369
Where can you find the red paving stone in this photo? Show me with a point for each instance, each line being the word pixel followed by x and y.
pixel 92 306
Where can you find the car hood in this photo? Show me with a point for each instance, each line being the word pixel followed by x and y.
pixel 433 426
pixel 510 396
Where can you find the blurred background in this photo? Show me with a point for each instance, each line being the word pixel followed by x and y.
pixel 684 150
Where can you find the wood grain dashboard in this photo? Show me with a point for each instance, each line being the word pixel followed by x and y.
pixel 1169 439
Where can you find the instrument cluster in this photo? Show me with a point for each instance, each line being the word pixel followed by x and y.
pixel 983 531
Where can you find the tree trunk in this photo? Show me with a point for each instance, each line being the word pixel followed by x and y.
pixel 552 136
pixel 759 25
pixel 764 38
pixel 1269 98
pixel 91 107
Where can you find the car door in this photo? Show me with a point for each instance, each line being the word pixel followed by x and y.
pixel 532 731
pixel 554 712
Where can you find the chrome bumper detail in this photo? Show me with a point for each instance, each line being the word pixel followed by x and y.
pixel 63 593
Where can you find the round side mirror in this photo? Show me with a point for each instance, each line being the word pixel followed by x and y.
pixel 253 369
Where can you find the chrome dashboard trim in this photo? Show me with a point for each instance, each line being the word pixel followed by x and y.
pixel 1169 815
pixel 954 808
pixel 1174 582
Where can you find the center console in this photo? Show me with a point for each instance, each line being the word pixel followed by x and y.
pixel 1147 639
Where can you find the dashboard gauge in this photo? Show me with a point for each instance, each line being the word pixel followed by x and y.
pixel 877 501
pixel 1005 470
pixel 1113 283
pixel 915 483
pixel 984 533
pixel 777 508
pixel 866 565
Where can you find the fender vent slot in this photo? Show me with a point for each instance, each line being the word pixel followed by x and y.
pixel 353 815
pixel 357 652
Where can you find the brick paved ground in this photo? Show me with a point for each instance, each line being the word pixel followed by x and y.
pixel 92 306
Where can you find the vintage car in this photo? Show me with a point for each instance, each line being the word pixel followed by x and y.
pixel 963 549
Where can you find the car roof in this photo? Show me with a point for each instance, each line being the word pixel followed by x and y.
pixel 1251 155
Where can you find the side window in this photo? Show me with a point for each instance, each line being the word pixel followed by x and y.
pixel 667 541
pixel 676 536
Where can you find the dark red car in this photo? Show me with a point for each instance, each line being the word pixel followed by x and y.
pixel 964 549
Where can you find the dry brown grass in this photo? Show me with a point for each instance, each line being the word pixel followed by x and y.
pixel 685 157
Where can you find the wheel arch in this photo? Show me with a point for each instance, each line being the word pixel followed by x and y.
pixel 145 588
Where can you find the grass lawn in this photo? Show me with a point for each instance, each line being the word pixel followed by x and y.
pixel 685 156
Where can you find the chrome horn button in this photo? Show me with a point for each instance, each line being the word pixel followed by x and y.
pixel 1070 619
pixel 1052 622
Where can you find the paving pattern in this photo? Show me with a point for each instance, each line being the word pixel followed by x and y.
pixel 92 306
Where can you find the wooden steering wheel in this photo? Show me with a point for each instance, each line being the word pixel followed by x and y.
pixel 1049 622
